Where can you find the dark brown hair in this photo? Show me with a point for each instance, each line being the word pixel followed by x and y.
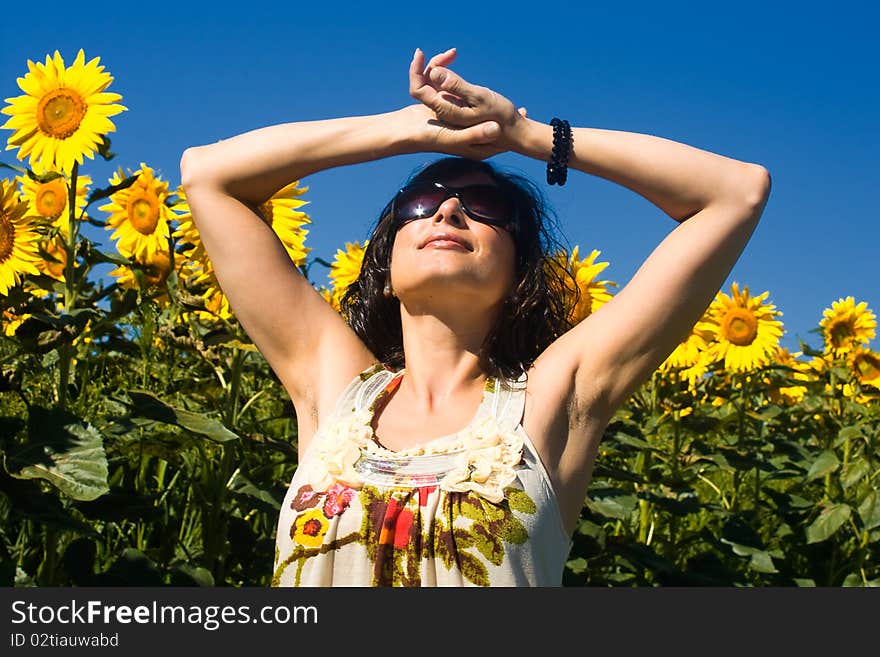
pixel 529 320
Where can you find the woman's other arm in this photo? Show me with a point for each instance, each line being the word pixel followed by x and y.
pixel 716 202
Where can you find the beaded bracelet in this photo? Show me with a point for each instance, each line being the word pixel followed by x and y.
pixel 557 166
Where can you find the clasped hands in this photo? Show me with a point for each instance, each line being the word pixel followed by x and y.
pixel 457 117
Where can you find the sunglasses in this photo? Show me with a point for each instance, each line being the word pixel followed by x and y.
pixel 484 203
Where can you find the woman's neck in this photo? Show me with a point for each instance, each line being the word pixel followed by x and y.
pixel 442 361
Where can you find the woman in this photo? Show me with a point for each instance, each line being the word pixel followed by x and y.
pixel 448 429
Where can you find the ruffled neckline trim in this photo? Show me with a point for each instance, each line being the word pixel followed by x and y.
pixel 446 444
pixel 482 457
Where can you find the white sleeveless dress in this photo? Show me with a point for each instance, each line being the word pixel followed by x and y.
pixel 475 508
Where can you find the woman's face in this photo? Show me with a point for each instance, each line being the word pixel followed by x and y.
pixel 477 269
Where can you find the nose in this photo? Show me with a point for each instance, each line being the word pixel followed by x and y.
pixel 451 211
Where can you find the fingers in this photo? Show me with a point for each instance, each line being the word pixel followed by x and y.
pixel 416 79
pixel 444 79
pixel 442 59
pixel 456 101
pixel 452 98
pixel 419 72
pixel 482 133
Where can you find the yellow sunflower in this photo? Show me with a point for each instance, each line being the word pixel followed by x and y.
pixel 846 325
pixel 865 366
pixel 331 297
pixel 746 331
pixel 154 272
pixel 691 358
pixel 346 265
pixel 63 114
pixel 139 215
pixel 49 199
pixel 593 294
pixel 54 257
pixel 216 302
pixel 49 202
pixel 187 235
pixel 819 365
pixel 344 270
pixel 789 394
pixel 196 270
pixel 287 222
pixel 279 212
pixel 9 321
pixel 19 239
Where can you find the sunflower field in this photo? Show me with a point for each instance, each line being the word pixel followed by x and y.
pixel 145 441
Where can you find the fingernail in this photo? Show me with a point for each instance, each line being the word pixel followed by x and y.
pixel 438 76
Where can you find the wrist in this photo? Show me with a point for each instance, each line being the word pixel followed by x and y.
pixel 408 134
pixel 534 139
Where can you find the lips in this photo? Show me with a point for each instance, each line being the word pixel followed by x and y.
pixel 447 237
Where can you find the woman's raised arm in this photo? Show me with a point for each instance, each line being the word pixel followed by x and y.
pixel 311 349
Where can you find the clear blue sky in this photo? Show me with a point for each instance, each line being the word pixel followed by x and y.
pixel 792 86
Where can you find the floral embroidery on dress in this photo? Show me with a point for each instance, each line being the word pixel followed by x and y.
pixel 467 530
pixel 309 528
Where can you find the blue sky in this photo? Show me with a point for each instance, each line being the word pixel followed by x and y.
pixel 792 86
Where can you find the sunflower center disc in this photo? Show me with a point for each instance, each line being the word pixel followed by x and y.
pixel 740 327
pixel 60 113
pixel 157 271
pixel 143 216
pixel 841 332
pixel 51 199
pixel 7 238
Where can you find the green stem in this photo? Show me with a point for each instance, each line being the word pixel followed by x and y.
pixel 830 442
pixel 66 351
pixel 759 456
pixel 644 506
pixel 238 358
pixel 676 444
pixel 741 434
pixel 50 550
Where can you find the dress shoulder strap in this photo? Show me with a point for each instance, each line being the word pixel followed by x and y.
pixel 508 401
pixel 367 382
pixel 370 387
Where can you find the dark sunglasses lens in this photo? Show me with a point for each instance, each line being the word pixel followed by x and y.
pixel 419 202
pixel 487 202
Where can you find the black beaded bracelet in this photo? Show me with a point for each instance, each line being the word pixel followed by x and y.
pixel 557 166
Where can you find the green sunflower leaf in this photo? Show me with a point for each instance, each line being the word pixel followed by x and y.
pixel 869 510
pixel 829 521
pixel 853 473
pixel 825 463
pixel 147 405
pixel 65 450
